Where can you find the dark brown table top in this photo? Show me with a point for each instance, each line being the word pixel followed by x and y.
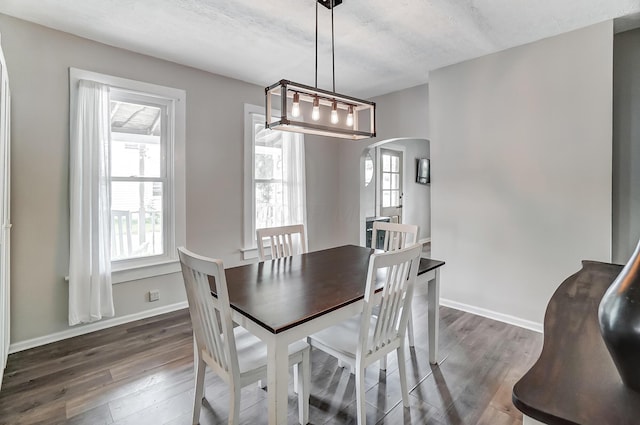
pixel 575 381
pixel 428 264
pixel 280 294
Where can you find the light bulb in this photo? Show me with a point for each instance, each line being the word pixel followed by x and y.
pixel 334 113
pixel 295 107
pixel 315 113
pixel 350 117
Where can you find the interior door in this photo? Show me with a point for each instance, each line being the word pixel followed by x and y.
pixel 391 176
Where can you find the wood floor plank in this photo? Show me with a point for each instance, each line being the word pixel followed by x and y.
pixel 52 413
pixel 167 374
pixel 99 415
pixel 493 416
pixel 52 394
pixel 418 413
pixel 150 359
pixel 148 400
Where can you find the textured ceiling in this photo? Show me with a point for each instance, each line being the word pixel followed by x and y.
pixel 380 45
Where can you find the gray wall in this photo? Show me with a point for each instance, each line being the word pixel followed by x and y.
pixel 417 197
pixel 38 59
pixel 521 166
pixel 626 144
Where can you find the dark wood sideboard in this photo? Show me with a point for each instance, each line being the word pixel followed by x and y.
pixel 575 381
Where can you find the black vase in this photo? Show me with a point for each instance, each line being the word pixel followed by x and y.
pixel 619 316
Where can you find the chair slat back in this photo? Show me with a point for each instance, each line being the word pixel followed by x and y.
pixel 210 315
pixel 397 236
pixel 284 241
pixel 397 270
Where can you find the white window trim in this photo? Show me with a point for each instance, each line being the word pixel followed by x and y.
pixel 250 249
pixel 129 270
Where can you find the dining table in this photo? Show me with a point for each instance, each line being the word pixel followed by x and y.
pixel 287 299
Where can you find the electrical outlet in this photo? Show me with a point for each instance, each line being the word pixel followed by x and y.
pixel 154 295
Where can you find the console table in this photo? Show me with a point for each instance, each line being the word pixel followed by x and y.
pixel 575 381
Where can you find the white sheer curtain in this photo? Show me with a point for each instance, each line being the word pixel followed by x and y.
pixel 291 207
pixel 294 178
pixel 90 293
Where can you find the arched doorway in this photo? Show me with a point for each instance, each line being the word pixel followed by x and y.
pixel 379 186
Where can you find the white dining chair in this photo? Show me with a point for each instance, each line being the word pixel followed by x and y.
pixel 235 354
pixel 283 241
pixel 397 236
pixel 368 338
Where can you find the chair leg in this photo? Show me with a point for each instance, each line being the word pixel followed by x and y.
pixel 402 367
pixel 234 405
pixel 360 404
pixel 410 329
pixel 383 363
pixel 296 387
pixel 303 377
pixel 200 368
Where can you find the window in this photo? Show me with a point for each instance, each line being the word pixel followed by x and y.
pixel 139 183
pixel 146 182
pixel 274 178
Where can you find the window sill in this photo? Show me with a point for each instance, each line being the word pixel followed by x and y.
pixel 249 253
pixel 145 271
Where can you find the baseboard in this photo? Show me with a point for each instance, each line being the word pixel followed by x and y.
pixel 490 314
pixel 92 327
pixel 425 240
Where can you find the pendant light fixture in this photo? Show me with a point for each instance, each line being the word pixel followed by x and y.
pixel 306 109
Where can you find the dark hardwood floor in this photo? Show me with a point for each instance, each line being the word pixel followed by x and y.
pixel 141 373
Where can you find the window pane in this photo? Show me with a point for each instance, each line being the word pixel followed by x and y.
pixel 386 163
pixel 395 181
pixel 386 181
pixel 269 205
pixel 135 140
pixel 395 164
pixel 368 170
pixel 136 219
pixel 386 198
pixel 268 163
pixel 395 198
pixel 134 159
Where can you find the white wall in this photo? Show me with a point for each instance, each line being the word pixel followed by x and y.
pixel 521 170
pixel 626 144
pixel 38 59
